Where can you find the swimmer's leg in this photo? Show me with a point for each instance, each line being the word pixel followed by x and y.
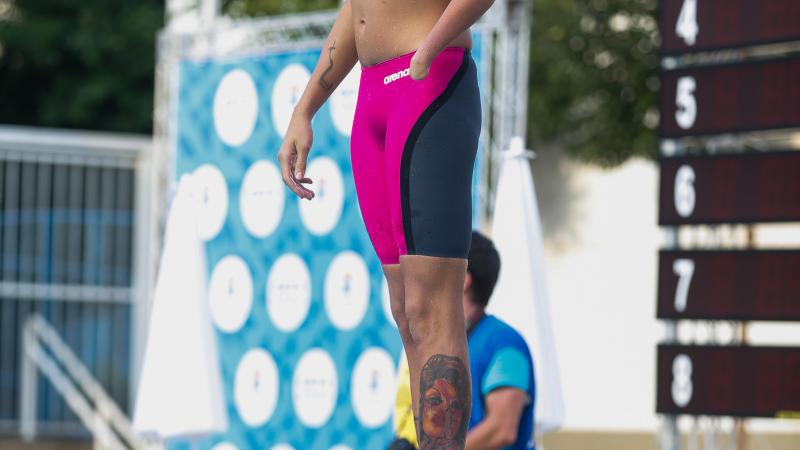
pixel 394 279
pixel 437 351
pixel 435 175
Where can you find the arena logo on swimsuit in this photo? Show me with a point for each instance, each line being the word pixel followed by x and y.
pixel 396 76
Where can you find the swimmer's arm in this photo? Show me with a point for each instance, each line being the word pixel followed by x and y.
pixel 456 18
pixel 336 60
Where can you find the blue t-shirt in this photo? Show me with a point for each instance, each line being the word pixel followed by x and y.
pixel 499 357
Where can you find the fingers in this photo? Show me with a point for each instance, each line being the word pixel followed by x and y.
pixel 300 160
pixel 283 159
pixel 418 75
pixel 286 160
pixel 302 191
pixel 419 67
pixel 288 157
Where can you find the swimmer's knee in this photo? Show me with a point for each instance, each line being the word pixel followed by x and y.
pixel 420 319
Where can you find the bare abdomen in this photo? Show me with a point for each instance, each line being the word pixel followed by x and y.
pixel 385 29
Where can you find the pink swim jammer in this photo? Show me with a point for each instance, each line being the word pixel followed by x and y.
pixel 413 147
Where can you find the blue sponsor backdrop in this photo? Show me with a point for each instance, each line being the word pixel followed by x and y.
pixel 231 115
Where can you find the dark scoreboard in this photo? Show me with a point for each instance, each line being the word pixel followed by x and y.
pixel 743 187
pixel 701 98
pixel 729 285
pixel 730 98
pixel 701 25
pixel 731 380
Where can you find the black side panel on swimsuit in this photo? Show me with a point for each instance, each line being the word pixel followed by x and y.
pixel 436 169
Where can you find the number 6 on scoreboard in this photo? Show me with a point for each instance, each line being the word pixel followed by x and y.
pixel 684 269
pixel 687 27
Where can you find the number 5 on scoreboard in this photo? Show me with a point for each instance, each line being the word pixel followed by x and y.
pixel 684 269
pixel 687 27
pixel 685 102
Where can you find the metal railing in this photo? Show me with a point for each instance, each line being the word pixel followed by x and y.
pixel 44 349
pixel 77 249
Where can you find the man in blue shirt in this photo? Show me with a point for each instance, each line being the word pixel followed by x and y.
pixel 503 385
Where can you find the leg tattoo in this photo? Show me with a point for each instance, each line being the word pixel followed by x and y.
pixel 444 403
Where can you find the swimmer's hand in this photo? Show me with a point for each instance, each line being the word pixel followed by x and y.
pixel 294 154
pixel 419 66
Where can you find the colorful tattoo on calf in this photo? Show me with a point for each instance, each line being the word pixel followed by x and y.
pixel 444 402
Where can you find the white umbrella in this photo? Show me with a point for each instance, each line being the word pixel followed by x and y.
pixel 180 390
pixel 520 297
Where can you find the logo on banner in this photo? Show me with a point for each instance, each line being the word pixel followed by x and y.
pixel 282 447
pixel 255 387
pixel 212 193
pixel 261 199
pixel 286 94
pixel 230 293
pixel 225 446
pixel 235 107
pixel 322 213
pixel 343 101
pixel 346 290
pixel 372 387
pixel 288 292
pixel 314 388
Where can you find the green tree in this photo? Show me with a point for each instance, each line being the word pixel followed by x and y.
pixel 90 63
pixel 594 78
pixel 79 63
pixel 250 8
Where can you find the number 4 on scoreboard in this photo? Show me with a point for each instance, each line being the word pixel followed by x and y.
pixel 687 27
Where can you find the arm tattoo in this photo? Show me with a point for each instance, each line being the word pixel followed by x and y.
pixel 444 404
pixel 322 81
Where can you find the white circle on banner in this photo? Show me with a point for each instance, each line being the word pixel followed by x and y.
pixel 387 304
pixel 261 199
pixel 346 290
pixel 282 447
pixel 255 387
pixel 340 447
pixel 372 387
pixel 212 194
pixel 343 101
pixel 314 388
pixel 286 94
pixel 225 446
pixel 235 107
pixel 322 213
pixel 288 292
pixel 230 293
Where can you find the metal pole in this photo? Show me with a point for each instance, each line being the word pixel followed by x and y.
pixel 670 435
pixel 523 62
pixel 27 393
pixel 209 12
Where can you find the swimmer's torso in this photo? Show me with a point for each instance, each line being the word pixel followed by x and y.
pixel 385 29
